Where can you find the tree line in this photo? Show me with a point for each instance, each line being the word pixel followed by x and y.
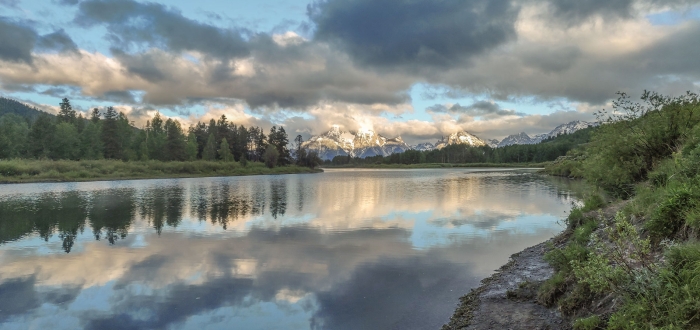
pixel 547 150
pixel 108 134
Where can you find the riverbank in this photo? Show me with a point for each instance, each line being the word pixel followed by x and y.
pixel 508 298
pixel 440 165
pixel 25 171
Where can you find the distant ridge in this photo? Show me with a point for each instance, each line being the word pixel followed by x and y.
pixel 8 106
pixel 523 138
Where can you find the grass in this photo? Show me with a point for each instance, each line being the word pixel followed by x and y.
pixel 22 170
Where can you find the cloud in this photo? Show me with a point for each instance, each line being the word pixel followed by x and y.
pixel 423 33
pixel 478 109
pixel 155 25
pixel 58 41
pixel 16 41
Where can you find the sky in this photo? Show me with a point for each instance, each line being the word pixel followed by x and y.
pixel 419 69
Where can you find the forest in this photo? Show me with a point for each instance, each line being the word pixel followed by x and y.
pixel 27 133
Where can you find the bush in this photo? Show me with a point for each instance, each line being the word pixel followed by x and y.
pixel 669 299
pixel 589 323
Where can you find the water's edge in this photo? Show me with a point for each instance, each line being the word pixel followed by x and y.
pixel 507 298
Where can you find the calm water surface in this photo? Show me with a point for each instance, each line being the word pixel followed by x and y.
pixel 346 249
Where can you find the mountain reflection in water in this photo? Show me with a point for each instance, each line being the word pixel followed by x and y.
pixel 346 249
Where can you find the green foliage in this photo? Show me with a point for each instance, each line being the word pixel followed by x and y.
pixel 90 142
pixel 14 132
pixel 209 152
pixel 669 216
pixel 191 148
pixel 588 323
pixel 636 137
pixel 669 299
pixel 9 106
pixel 22 170
pixel 225 152
pixel 552 289
pixel 271 156
pixel 66 143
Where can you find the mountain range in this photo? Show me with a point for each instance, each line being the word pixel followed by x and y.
pixel 367 143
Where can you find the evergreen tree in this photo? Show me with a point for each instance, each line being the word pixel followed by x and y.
pixel 110 135
pixel 225 151
pixel 279 139
pixel 175 142
pixel 66 114
pixel 14 132
pixel 66 142
pixel 143 151
pixel 41 136
pixel 95 116
pixel 209 152
pixel 271 156
pixel 91 142
pixel 191 149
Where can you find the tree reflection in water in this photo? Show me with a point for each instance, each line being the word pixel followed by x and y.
pixel 111 212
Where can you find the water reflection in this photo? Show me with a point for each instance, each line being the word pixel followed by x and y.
pixel 341 250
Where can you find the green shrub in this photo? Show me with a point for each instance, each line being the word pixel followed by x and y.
pixel 669 299
pixel 588 323
pixel 669 216
pixel 552 289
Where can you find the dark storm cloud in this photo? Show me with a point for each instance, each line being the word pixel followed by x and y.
pixel 416 33
pixel 57 41
pixel 131 22
pixel 123 97
pixel 480 108
pixel 19 39
pixel 16 41
pixel 576 11
pixel 143 65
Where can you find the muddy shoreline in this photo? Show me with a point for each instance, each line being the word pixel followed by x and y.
pixel 507 299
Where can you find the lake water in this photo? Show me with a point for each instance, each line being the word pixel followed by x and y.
pixel 346 249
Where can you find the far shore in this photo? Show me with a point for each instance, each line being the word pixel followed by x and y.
pixel 439 165
pixel 46 171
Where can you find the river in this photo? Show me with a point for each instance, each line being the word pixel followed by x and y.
pixel 345 249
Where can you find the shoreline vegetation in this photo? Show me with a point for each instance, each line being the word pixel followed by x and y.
pixel 629 257
pixel 33 171
pixel 39 147
pixel 440 165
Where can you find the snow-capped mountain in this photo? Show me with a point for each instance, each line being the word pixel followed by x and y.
pixel 523 138
pixel 361 144
pixel 427 146
pixel 570 128
pixel 460 138
pixel 367 143
pixel 493 143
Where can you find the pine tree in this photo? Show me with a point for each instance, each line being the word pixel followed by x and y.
pixel 90 142
pixel 209 152
pixel 225 151
pixel 66 142
pixel 67 114
pixel 110 135
pixel 41 135
pixel 191 149
pixel 175 142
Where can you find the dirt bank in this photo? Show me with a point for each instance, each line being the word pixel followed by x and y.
pixel 506 300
